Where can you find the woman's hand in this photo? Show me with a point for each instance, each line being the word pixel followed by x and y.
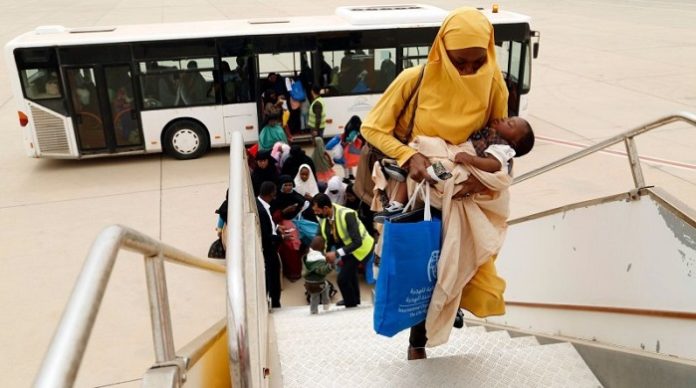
pixel 469 187
pixel 285 233
pixel 417 168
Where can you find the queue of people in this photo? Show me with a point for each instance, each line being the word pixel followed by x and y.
pixel 463 147
pixel 298 212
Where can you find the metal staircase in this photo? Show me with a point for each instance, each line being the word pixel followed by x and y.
pixel 339 348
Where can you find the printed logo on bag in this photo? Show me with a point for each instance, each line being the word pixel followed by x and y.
pixel 432 265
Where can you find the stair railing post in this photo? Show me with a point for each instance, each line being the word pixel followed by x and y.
pixel 634 160
pixel 162 334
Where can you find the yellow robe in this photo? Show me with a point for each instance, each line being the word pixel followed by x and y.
pixel 450 107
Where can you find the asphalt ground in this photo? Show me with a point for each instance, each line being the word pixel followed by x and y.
pixel 604 67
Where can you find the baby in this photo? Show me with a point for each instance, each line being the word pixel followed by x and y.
pixel 495 147
pixel 314 271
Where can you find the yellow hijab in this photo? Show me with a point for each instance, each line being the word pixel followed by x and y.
pixel 452 106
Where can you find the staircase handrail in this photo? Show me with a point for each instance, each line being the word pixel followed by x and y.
pixel 64 356
pixel 247 312
pixel 628 139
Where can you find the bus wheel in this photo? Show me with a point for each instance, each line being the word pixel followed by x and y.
pixel 185 139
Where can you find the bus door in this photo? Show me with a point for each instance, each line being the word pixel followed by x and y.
pixel 124 127
pixel 238 76
pixel 104 111
pixel 277 73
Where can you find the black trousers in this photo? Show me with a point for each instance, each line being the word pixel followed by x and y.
pixel 272 265
pixel 418 338
pixel 348 281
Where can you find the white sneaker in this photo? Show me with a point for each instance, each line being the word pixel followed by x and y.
pixel 394 206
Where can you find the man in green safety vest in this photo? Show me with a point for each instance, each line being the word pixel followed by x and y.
pixel 317 114
pixel 346 238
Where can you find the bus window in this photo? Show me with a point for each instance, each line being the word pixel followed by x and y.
pixel 502 53
pixel 510 59
pixel 278 71
pixel 386 70
pixel 43 87
pixel 177 82
pixel 415 56
pixel 236 83
pixel 527 75
pixel 360 71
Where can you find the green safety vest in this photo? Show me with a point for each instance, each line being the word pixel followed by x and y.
pixel 312 119
pixel 340 213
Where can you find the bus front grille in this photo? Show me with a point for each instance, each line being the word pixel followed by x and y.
pixel 50 132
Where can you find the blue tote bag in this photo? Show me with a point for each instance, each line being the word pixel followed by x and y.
pixel 407 270
pixel 370 277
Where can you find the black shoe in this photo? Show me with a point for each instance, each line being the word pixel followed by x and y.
pixel 381 217
pixel 459 319
pixel 341 303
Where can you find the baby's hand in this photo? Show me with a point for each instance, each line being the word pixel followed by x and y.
pixel 462 158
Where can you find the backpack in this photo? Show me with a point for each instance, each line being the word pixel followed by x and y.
pixel 297 92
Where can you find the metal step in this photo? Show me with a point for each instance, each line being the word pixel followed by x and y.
pixel 339 348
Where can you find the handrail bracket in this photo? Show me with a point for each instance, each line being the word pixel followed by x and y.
pixel 634 161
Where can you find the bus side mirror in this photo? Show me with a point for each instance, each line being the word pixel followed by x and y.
pixel 536 36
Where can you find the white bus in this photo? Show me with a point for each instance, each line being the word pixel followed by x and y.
pixel 185 87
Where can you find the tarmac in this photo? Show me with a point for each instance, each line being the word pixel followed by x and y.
pixel 604 67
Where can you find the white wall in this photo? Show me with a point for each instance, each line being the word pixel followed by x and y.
pixel 619 254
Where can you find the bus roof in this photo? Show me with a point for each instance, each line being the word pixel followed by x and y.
pixel 345 19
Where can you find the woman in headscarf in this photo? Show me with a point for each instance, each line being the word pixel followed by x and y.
pixel 280 152
pixel 305 183
pixel 461 90
pixel 297 158
pixel 336 190
pixel 322 161
pixel 264 171
pixel 271 134
pixel 288 201
pixel 352 144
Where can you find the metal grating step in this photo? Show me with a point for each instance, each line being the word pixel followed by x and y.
pixel 526 340
pixel 372 348
pixel 340 349
pixel 557 365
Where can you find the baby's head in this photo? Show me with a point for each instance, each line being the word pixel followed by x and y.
pixel 317 244
pixel 517 132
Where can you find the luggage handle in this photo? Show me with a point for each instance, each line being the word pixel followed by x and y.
pixel 423 189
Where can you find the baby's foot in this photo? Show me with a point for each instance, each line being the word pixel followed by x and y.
pixel 394 206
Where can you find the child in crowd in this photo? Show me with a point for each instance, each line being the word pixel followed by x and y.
pixel 314 270
pixel 495 147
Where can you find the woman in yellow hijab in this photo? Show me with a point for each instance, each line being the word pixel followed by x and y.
pixel 462 89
